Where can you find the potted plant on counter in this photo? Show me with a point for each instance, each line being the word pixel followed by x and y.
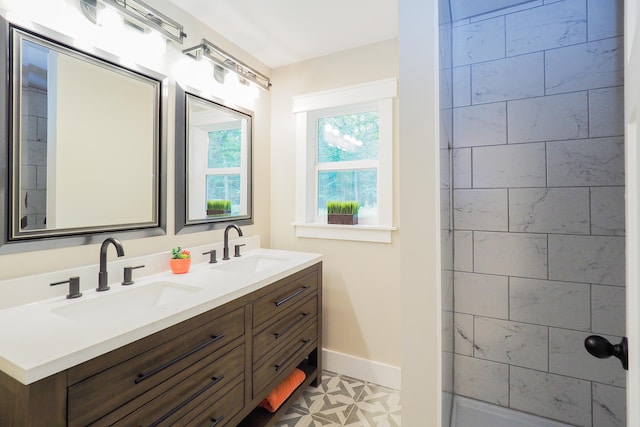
pixel 343 212
pixel 218 207
pixel 180 261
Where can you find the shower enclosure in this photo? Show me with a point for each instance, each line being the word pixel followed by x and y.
pixel 532 120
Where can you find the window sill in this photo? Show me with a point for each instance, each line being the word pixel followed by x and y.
pixel 362 233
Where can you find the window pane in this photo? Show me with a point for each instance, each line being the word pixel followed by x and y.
pixel 348 137
pixel 360 185
pixel 225 187
pixel 224 148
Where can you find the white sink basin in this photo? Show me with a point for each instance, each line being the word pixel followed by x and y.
pixel 250 264
pixel 126 303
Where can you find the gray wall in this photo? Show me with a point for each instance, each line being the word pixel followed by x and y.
pixel 539 208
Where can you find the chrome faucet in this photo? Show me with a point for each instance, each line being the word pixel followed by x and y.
pixel 226 239
pixel 103 276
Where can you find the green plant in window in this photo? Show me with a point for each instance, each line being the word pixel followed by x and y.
pixel 343 212
pixel 216 207
pixel 219 205
pixel 350 207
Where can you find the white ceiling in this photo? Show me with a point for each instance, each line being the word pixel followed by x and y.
pixel 281 32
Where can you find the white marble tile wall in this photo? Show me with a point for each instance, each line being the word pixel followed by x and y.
pixel 462 86
pixel 605 19
pixel 463 330
pixel 480 125
pixel 547 118
pixel 463 251
pixel 607 211
pixel 544 302
pixel 538 178
pixel 479 41
pixel 462 168
pixel 485 9
pixel 446 242
pixel 493 81
pixel 484 209
pixel 554 396
pixel 589 259
pixel 567 357
pixel 481 294
pixel 608 310
pixel 606 112
pixel 549 210
pixel 502 166
pixel 608 406
pixel 481 379
pixel 585 66
pixel 525 5
pixel 446 226
pixel 551 26
pixel 588 162
pixel 510 254
pixel 515 343
pixel 33 159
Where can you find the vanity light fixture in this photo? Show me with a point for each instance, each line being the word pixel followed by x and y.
pixel 222 59
pixel 137 13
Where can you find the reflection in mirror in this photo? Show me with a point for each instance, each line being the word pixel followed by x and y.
pixel 86 143
pixel 213 163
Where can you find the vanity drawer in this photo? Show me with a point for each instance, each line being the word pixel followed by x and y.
pixel 219 410
pixel 186 399
pixel 278 301
pixel 278 365
pixel 97 395
pixel 290 324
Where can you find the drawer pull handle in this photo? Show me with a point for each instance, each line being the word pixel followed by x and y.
pixel 302 344
pixel 142 377
pixel 216 421
pixel 293 295
pixel 286 329
pixel 214 381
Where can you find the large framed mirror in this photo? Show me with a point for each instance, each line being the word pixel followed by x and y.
pixel 213 162
pixel 85 140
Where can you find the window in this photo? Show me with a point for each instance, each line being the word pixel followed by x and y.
pixel 344 146
pixel 223 167
pixel 215 159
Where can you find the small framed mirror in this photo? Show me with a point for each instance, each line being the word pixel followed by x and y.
pixel 85 142
pixel 213 163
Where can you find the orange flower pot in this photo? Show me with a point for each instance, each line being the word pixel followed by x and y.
pixel 180 266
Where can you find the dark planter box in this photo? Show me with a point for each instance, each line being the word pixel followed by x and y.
pixel 344 219
pixel 217 212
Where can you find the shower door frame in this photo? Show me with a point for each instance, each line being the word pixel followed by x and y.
pixel 632 178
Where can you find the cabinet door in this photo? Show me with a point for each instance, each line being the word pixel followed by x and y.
pixel 272 336
pixel 205 386
pixel 276 367
pixel 271 305
pixel 140 374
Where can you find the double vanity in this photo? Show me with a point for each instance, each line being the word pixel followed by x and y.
pixel 127 342
pixel 202 348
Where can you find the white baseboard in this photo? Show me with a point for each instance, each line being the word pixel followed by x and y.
pixel 363 369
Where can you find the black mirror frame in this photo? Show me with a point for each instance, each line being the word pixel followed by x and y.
pixel 84 237
pixel 182 224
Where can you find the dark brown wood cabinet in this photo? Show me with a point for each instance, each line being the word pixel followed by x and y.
pixel 213 369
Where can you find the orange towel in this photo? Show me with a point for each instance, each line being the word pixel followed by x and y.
pixel 283 390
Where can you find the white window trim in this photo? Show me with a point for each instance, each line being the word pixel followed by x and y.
pixel 381 92
pixel 198 148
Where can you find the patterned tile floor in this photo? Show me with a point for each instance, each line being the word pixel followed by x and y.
pixel 344 401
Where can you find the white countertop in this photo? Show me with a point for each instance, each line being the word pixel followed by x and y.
pixel 49 336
